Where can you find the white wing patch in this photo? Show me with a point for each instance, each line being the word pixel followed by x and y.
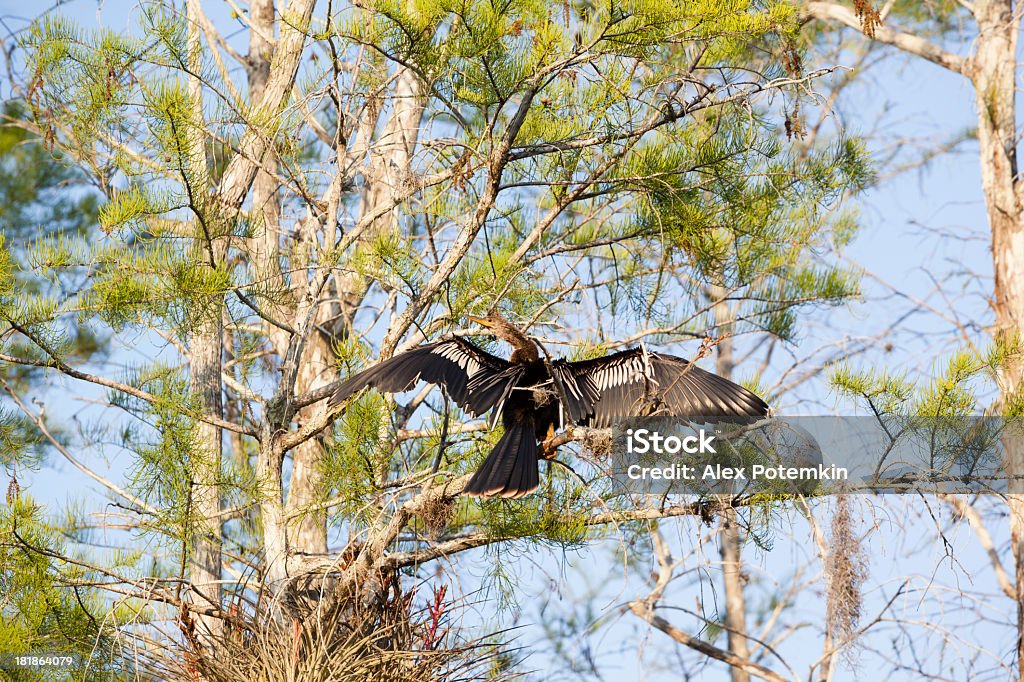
pixel 624 372
pixel 455 353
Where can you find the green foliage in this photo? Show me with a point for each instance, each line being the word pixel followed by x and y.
pixel 46 606
pixel 496 276
pixel 943 411
pixel 535 519
pixel 152 281
pixel 753 218
pixel 950 391
pixel 126 208
pixel 168 452
pixel 880 390
pixel 35 194
pixel 391 260
pixel 42 202
pixel 91 70
pixel 521 525
pixel 355 460
pixel 20 441
pixel 167 449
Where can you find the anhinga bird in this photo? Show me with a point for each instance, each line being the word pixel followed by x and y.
pixel 529 394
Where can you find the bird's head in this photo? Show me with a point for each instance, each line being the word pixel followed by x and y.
pixel 491 320
pixel 504 330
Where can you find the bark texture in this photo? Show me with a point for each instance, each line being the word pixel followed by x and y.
pixel 992 70
pixel 730 541
pixel 205 347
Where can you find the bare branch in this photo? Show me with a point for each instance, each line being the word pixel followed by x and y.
pixel 127 389
pixel 644 611
pixel 59 447
pixel 967 511
pixel 908 42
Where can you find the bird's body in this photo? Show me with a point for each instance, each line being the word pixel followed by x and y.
pixel 533 396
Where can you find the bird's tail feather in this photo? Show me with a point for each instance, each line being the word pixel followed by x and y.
pixel 511 468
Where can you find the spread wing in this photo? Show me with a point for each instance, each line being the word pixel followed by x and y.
pixel 635 383
pixel 475 379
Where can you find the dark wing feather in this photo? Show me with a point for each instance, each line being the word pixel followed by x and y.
pixel 578 391
pixel 634 383
pixel 493 388
pixel 474 379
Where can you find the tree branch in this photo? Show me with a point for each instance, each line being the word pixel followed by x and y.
pixel 908 42
pixel 127 389
pixel 644 611
pixel 968 512
pixel 109 485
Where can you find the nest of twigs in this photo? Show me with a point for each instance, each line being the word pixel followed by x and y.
pixel 598 442
pixel 437 512
pixel 340 640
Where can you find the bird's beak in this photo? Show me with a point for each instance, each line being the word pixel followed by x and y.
pixel 479 320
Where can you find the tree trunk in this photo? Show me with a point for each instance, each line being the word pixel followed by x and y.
pixel 264 254
pixel 205 558
pixel 735 599
pixel 296 526
pixel 730 542
pixel 205 347
pixel 992 71
pixel 389 168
